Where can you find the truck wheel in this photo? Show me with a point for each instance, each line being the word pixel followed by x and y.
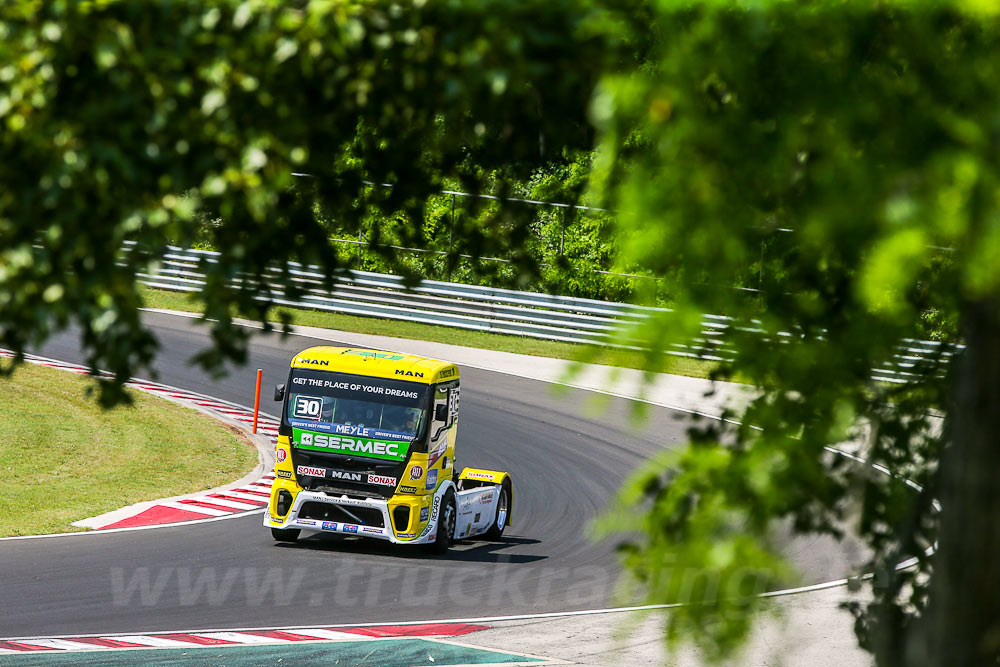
pixel 446 525
pixel 285 534
pixel 503 511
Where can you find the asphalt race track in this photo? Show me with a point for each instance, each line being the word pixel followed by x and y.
pixel 567 457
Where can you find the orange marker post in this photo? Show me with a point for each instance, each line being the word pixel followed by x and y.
pixel 256 401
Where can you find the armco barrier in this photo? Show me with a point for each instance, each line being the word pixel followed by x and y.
pixel 545 316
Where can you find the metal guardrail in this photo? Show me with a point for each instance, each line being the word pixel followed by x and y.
pixel 496 310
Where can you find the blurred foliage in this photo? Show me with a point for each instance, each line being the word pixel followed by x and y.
pixel 571 250
pixel 844 159
pixel 139 122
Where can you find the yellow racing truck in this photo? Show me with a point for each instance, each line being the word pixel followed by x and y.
pixel 366 448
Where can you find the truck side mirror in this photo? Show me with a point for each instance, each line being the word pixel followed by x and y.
pixel 441 412
pixel 279 392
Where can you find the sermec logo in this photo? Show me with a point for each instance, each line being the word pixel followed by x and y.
pixel 409 373
pixel 379 479
pixel 350 445
pixel 343 443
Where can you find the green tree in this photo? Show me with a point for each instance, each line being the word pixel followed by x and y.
pixel 849 154
pixel 127 122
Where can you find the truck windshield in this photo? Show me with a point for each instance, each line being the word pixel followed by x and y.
pixel 388 410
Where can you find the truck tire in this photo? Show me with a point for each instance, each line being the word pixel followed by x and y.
pixel 285 534
pixel 503 512
pixel 446 524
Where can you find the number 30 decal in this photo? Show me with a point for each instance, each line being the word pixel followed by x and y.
pixel 307 407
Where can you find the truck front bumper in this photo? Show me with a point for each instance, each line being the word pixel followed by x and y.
pixel 347 507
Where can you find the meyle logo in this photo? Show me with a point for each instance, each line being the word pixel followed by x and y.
pixel 312 472
pixel 379 479
pixel 314 362
pixel 409 373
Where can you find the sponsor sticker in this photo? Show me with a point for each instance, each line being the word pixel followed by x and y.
pixel 475 519
pixel 307 522
pixel 329 525
pixel 280 454
pixel 350 445
pixel 486 498
pixel 374 355
pixel 432 479
pixel 384 481
pixel 424 513
pixel 438 452
pixel 407 489
pixel 416 472
pixel 349 528
pixel 371 530
pixel 478 475
pixel 311 471
pixel 434 516
pixel 406 536
pixel 276 519
pixel 283 473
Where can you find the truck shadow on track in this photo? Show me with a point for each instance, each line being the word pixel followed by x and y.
pixel 463 551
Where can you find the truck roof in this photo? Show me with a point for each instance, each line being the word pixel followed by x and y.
pixel 375 363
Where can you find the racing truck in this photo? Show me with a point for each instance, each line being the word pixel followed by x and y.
pixel 366 448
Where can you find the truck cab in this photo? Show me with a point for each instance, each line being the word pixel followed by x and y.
pixel 366 447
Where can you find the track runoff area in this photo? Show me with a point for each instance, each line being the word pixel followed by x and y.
pixel 219 569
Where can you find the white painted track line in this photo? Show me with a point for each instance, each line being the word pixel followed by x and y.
pixel 237 638
pixel 327 634
pixel 160 642
pixel 207 511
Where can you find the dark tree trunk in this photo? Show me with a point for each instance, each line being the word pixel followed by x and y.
pixel 962 622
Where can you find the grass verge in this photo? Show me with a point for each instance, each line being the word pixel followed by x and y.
pixel 188 302
pixel 63 459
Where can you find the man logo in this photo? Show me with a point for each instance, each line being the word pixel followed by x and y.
pixel 314 362
pixel 409 373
